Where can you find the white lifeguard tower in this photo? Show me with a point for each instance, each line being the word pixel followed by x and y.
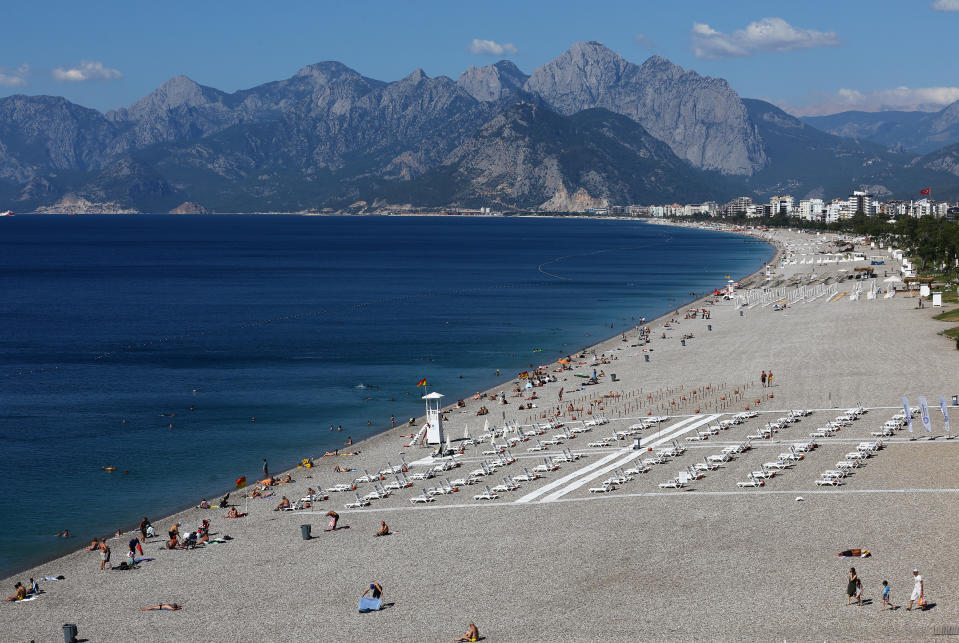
pixel 434 419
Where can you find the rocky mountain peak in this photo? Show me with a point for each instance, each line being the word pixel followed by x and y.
pixel 492 82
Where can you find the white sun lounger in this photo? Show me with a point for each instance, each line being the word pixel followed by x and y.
pixel 422 475
pixel 675 483
pixel 539 447
pixel 606 488
pixel 422 498
pixel 706 465
pixel 719 457
pixel 751 482
pixel 342 487
pixel 832 482
pixel 359 502
pixel 486 495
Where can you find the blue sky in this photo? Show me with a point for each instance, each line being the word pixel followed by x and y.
pixel 810 56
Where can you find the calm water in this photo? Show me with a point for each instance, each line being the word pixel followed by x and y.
pixel 112 328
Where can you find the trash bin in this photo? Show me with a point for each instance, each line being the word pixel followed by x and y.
pixel 635 444
pixel 683 342
pixel 709 326
pixel 955 400
pixel 740 313
pixel 305 532
pixel 69 633
pixel 647 359
pixel 612 376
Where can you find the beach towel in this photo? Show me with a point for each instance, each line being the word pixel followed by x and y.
pixel 32 597
pixel 370 604
pixel 61 577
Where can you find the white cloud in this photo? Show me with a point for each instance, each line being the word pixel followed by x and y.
pixel 86 70
pixel 14 77
pixel 946 5
pixel 927 99
pixel 768 34
pixel 492 48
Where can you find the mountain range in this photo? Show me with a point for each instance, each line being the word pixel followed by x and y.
pixel 586 128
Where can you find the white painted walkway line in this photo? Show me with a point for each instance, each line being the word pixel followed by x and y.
pixel 595 465
pixel 653 494
pixel 632 455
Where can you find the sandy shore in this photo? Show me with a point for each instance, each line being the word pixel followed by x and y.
pixel 551 559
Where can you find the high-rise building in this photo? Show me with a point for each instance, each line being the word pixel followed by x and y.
pixel 811 209
pixel 781 205
pixel 862 202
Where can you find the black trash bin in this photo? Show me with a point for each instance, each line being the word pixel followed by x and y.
pixel 612 376
pixel 683 342
pixel 69 633
pixel 955 400
pixel 647 357
pixel 305 532
pixel 709 326
pixel 740 313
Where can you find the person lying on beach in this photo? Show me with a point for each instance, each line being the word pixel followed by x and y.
pixel 233 513
pixel 339 469
pixel 256 494
pixel 204 504
pixel 384 529
pixel 854 553
pixel 472 634
pixel 169 607
pixel 287 478
pixel 284 504
pixel 94 545
pixel 19 593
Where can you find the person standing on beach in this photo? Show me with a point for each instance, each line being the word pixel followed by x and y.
pixel 885 595
pixel 762 378
pixel 266 470
pixel 918 592
pixel 104 554
pixel 392 421
pixel 769 379
pixel 143 528
pixel 852 587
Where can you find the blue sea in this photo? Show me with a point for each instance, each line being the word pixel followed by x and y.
pixel 150 342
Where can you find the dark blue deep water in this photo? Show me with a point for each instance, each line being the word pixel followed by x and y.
pixel 137 318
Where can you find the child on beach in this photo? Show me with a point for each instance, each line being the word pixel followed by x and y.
pixel 885 595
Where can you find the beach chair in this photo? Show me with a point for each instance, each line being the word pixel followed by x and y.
pixel 605 488
pixel 764 473
pixel 368 477
pixel 694 473
pixel 674 483
pixel 706 465
pixel 699 437
pixel 835 473
pixel 526 476
pixel 751 482
pixel 538 447
pixel 359 502
pixel 884 433
pixel 487 494
pixel 828 481
pixel 598 443
pixel 719 457
pixel 422 475
pixel 342 487
pixel 637 468
pixel 778 465
pixel 712 430
pixel 422 498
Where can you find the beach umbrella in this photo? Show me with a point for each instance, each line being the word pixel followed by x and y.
pixel 486 426
pixel 466 432
pixel 449 447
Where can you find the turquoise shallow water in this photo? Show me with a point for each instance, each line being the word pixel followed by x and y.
pixel 112 328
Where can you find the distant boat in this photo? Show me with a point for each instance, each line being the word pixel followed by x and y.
pixel 8 213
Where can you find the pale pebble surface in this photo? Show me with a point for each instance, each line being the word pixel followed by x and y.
pixel 640 563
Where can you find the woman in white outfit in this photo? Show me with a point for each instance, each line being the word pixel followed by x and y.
pixel 917 591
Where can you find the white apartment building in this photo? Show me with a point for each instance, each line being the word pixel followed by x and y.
pixel 811 209
pixel 782 205
pixel 861 202
pixel 837 210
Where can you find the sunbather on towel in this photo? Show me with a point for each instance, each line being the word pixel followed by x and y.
pixel 284 504
pixel 854 553
pixel 233 513
pixel 20 593
pixel 170 607
pixel 472 634
pixel 287 478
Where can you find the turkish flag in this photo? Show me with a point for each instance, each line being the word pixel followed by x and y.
pixel 925 191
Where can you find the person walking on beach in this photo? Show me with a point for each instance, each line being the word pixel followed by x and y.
pixel 769 379
pixel 266 470
pixel 885 595
pixel 853 587
pixel 143 528
pixel 560 393
pixel 762 378
pixel 918 592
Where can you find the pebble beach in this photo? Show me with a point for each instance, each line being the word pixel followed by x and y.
pixel 554 558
